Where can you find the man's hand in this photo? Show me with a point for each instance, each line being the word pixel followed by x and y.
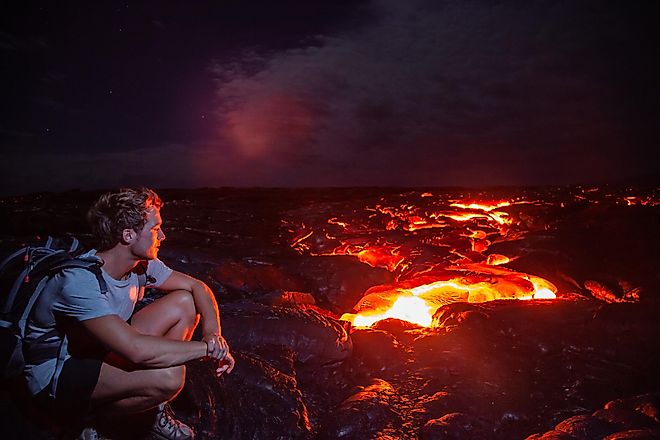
pixel 225 365
pixel 216 346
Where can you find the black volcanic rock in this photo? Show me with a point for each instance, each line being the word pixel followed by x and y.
pixel 626 418
pixel 456 426
pixel 585 426
pixel 257 400
pixel 364 414
pixel 378 351
pixel 647 404
pixel 254 277
pixel 338 282
pixel 314 338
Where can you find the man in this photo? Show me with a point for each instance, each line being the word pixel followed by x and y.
pixel 117 362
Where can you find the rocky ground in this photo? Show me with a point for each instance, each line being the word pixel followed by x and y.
pixel 286 264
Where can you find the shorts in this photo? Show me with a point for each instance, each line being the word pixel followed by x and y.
pixel 74 388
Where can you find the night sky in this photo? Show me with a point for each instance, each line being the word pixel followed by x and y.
pixel 339 93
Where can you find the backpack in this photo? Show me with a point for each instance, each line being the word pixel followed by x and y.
pixel 24 274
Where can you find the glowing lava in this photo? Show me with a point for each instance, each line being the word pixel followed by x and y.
pixel 482 206
pixel 437 250
pixel 418 303
pixel 406 308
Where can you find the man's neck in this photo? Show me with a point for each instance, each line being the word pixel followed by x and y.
pixel 118 261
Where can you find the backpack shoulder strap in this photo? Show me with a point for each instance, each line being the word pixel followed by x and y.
pixel 96 270
pixel 92 264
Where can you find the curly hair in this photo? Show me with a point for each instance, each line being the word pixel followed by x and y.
pixel 115 211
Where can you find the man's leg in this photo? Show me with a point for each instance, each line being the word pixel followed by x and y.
pixel 121 389
pixel 173 316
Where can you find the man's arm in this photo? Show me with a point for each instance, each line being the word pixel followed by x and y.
pixel 144 350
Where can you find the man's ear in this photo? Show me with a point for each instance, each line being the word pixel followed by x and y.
pixel 128 235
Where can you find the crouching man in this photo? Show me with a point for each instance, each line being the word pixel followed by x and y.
pixel 114 362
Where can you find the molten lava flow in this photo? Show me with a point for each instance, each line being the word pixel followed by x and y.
pixel 381 257
pixel 463 217
pixel 298 243
pixel 437 250
pixel 418 303
pixel 406 308
pixel 416 223
pixel 500 217
pixel 646 201
pixel 497 259
pixel 482 206
pixel 334 221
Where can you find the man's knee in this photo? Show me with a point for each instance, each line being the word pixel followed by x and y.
pixel 185 304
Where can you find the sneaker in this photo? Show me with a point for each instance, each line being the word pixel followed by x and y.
pixel 167 427
pixel 88 434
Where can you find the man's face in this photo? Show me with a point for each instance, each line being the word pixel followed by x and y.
pixel 149 238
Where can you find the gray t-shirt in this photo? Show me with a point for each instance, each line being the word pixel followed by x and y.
pixel 74 294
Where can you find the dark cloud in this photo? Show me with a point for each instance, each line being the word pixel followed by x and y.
pixel 508 92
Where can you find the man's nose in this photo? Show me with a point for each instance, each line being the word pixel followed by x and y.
pixel 161 235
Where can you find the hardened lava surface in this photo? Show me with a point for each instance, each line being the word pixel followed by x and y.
pixel 543 321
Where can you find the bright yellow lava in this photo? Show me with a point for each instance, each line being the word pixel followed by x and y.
pixel 481 206
pixel 418 304
pixel 406 308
